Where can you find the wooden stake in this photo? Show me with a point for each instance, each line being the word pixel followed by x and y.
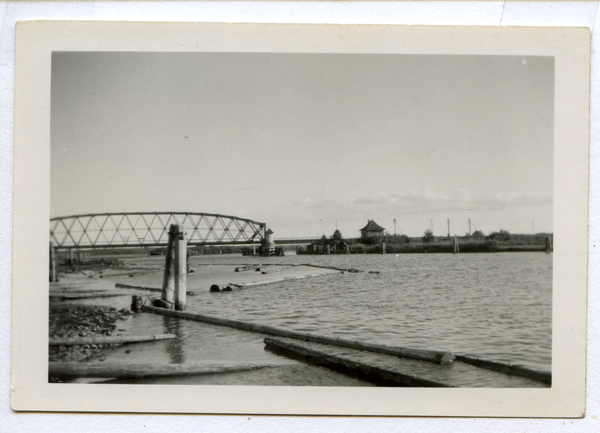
pixel 456 249
pixel 168 286
pixel 180 247
pixel 53 275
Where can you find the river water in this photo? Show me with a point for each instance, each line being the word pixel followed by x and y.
pixel 492 306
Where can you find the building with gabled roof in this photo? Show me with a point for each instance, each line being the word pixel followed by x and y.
pixel 372 229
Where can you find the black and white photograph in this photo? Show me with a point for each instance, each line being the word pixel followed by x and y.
pixel 414 190
pixel 339 219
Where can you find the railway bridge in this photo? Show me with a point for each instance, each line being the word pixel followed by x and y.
pixel 151 229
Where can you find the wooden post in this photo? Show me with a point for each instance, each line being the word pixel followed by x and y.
pixel 71 253
pixel 136 303
pixel 548 244
pixel 168 286
pixel 383 248
pixel 53 275
pixel 180 247
pixel 456 250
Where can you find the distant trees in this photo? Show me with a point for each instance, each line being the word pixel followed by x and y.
pixel 428 236
pixel 396 239
pixel 337 235
pixel 478 234
pixel 501 235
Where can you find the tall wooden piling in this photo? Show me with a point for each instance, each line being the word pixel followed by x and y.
pixel 383 248
pixel 548 244
pixel 168 287
pixel 180 247
pixel 455 250
pixel 53 274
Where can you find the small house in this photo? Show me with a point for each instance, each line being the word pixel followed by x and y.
pixel 372 229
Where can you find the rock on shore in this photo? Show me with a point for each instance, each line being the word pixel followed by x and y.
pixel 73 320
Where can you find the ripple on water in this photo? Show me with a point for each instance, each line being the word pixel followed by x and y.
pixel 496 306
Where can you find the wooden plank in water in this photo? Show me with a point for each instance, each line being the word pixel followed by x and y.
pixel 347 366
pixel 514 370
pixel 421 354
pixel 67 296
pixel 128 371
pixel 148 289
pixel 458 374
pixel 116 339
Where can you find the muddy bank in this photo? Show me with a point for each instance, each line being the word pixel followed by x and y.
pixel 73 320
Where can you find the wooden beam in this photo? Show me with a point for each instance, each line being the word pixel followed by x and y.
pixel 422 354
pixel 113 339
pixel 131 371
pixel 358 370
pixel 148 289
pixel 513 370
pixel 67 296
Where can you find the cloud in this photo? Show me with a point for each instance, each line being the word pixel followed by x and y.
pixel 420 201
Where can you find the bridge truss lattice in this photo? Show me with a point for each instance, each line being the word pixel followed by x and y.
pixel 150 229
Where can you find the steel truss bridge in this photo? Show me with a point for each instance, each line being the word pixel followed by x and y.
pixel 296 241
pixel 151 229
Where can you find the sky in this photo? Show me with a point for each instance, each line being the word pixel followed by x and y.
pixel 307 142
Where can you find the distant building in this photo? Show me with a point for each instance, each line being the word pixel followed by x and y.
pixel 372 229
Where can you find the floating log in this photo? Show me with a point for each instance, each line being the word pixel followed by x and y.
pixel 113 339
pixel 244 268
pixel 422 354
pixel 333 268
pixel 132 371
pixel 359 370
pixel 513 370
pixel 83 295
pixel 148 289
pixel 273 271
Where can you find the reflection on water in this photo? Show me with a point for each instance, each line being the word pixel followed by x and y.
pixel 494 306
pixel 174 349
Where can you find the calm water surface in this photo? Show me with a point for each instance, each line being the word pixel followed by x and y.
pixel 493 306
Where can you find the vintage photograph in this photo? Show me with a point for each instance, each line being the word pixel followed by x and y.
pixel 281 218
pixel 342 219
